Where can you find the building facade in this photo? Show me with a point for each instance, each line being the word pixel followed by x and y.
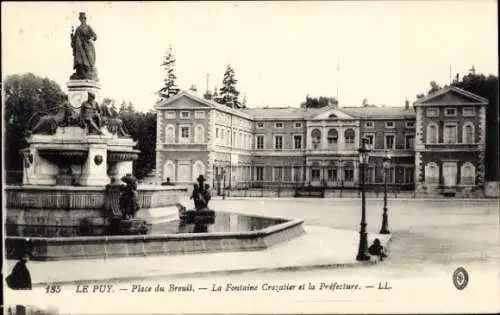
pixel 450 142
pixel 290 147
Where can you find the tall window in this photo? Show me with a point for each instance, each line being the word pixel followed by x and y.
pixel 260 142
pixel 348 175
pixel 316 138
pixel 332 138
pixel 199 134
pixel 297 173
pixel 278 142
pixel 331 174
pixel 450 133
pixel 297 142
pixel 468 134
pixel 389 142
pixel 259 173
pixel 467 174
pixel 278 174
pixel 315 174
pixel 349 136
pixel 170 134
pixel 409 141
pixel 185 134
pixel 432 133
pixel 431 174
pixel 408 175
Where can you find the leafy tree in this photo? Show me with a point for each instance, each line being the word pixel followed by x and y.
pixel 318 102
pixel 169 88
pixel 228 92
pixel 25 94
pixel 487 87
pixel 434 87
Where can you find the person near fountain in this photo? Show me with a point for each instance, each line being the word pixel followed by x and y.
pixel 91 115
pixel 376 249
pixel 82 43
pixel 20 277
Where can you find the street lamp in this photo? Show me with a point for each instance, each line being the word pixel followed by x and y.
pixel 363 241
pixel 223 183
pixel 386 163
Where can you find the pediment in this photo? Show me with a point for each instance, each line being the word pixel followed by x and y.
pixel 184 100
pixel 332 114
pixel 452 96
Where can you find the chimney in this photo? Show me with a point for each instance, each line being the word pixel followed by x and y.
pixel 407 104
pixel 193 88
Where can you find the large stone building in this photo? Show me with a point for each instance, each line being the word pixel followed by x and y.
pixel 294 146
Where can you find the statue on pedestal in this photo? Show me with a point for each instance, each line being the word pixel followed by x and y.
pixel 201 194
pixel 90 112
pixel 82 43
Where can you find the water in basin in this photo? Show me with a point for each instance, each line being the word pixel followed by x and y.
pixel 224 222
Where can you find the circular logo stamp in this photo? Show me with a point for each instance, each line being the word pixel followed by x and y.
pixel 460 278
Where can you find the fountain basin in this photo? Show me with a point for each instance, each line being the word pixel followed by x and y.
pixel 241 233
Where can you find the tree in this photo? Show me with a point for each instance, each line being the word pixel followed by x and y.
pixel 169 88
pixel 228 93
pixel 25 94
pixel 434 87
pixel 318 102
pixel 487 87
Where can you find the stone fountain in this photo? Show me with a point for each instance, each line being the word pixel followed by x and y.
pixel 79 200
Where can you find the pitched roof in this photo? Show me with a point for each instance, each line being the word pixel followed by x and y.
pixel 282 112
pixel 379 112
pixel 479 99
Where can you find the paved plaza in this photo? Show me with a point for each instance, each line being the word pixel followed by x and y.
pixel 430 239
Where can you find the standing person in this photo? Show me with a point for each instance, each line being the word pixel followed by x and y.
pixel 20 277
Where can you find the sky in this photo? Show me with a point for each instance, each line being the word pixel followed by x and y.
pixel 281 51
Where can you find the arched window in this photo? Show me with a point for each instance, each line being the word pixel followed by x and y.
pixel 170 134
pixel 316 138
pixel 198 169
pixel 468 174
pixel 432 133
pixel 332 138
pixel 349 136
pixel 468 133
pixel 431 174
pixel 169 171
pixel 199 134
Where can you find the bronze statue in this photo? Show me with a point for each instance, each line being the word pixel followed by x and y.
pixel 201 194
pixel 82 43
pixel 90 112
pixel 113 123
pixel 129 201
pixel 45 123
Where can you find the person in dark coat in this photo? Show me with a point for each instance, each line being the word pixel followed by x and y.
pixel 20 277
pixel 376 249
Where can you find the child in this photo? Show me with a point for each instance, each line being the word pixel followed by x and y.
pixel 377 250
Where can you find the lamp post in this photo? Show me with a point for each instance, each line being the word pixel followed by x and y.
pixel 386 163
pixel 223 183
pixel 363 241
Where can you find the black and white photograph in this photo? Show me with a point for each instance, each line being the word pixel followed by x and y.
pixel 250 157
